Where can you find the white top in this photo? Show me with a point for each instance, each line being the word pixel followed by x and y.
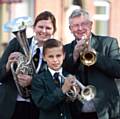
pixel 33 48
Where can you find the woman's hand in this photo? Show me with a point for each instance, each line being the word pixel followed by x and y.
pixel 13 57
pixel 24 80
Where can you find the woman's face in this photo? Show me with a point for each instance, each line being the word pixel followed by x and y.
pixel 44 30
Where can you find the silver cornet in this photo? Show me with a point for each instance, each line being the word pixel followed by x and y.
pixel 24 64
pixel 86 93
pixel 87 56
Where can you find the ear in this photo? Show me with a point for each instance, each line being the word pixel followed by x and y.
pixel 91 23
pixel 70 27
pixel 44 58
pixel 64 55
pixel 34 31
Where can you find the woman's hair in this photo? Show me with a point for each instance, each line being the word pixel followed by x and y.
pixel 46 15
pixel 51 43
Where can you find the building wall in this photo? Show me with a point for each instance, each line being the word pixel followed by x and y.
pixel 54 6
pixel 10 11
pixel 115 19
pixel 60 8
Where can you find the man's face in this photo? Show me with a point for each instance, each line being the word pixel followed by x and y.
pixel 54 57
pixel 79 26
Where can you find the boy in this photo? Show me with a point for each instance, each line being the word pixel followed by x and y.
pixel 48 97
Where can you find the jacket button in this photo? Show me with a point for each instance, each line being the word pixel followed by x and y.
pixel 61 114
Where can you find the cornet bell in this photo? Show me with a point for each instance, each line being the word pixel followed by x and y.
pixel 88 93
pixel 88 55
pixel 88 58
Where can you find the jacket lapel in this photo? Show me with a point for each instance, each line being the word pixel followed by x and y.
pixel 97 43
pixel 43 67
pixel 50 81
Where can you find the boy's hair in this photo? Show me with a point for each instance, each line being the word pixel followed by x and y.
pixel 51 43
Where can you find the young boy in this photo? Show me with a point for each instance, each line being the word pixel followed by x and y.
pixel 48 97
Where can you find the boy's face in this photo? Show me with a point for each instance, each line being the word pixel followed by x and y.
pixel 54 57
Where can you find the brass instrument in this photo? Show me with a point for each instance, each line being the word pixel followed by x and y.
pixel 24 63
pixel 88 55
pixel 86 93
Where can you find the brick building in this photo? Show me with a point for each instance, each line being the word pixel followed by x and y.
pixel 105 14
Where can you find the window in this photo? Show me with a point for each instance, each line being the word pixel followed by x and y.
pixel 102 10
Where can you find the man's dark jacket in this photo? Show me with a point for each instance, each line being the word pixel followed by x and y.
pixel 102 75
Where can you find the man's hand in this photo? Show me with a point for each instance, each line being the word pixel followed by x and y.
pixel 81 46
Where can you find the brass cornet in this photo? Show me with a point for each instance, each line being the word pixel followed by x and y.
pixel 24 64
pixel 86 93
pixel 87 56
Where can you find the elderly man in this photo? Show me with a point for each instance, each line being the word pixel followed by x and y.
pixel 96 61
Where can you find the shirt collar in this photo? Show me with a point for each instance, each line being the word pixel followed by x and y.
pixel 34 46
pixel 34 42
pixel 53 71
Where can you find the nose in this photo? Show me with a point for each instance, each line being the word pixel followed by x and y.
pixel 79 27
pixel 55 59
pixel 44 29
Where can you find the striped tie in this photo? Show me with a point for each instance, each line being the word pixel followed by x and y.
pixel 36 57
pixel 56 79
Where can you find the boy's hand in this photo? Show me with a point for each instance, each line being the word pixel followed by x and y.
pixel 68 83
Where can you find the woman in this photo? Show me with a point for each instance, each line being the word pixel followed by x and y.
pixel 12 105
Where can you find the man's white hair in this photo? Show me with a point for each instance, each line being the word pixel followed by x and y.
pixel 80 12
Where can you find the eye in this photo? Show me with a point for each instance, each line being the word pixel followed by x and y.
pixel 48 28
pixel 50 56
pixel 75 25
pixel 59 55
pixel 41 27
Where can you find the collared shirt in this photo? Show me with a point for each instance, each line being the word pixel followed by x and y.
pixel 53 72
pixel 88 106
pixel 33 47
